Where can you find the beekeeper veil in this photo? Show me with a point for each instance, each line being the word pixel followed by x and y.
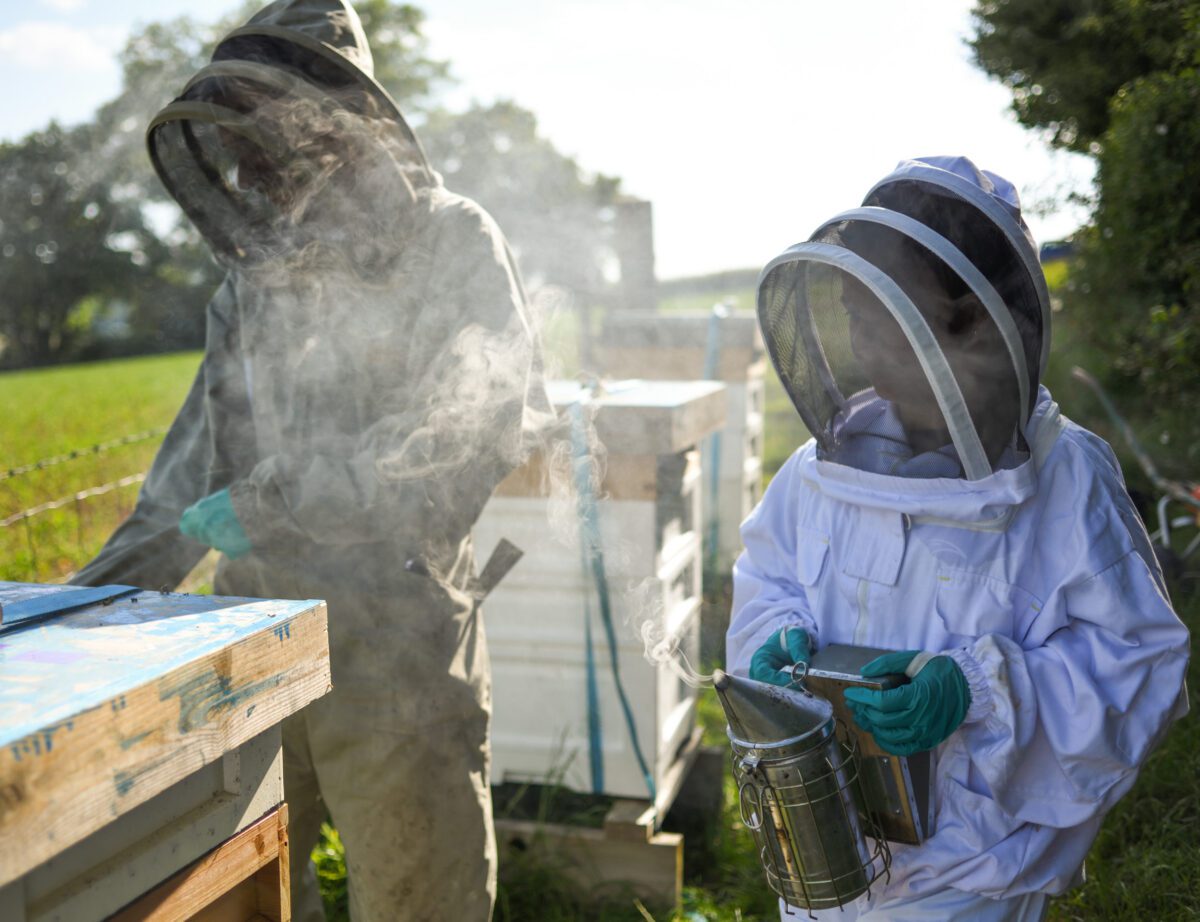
pixel 911 333
pixel 286 138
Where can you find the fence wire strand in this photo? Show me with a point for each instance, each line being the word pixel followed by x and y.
pixel 76 498
pixel 97 449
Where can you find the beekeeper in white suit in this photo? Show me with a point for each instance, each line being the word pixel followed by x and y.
pixel 945 509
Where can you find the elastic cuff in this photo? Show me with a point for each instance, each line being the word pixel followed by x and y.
pixel 981 692
pixel 810 630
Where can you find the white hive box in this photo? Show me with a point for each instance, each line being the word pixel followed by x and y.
pixel 649 513
pixel 676 346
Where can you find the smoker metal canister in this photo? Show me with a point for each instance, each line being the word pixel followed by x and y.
pixel 897 790
pixel 795 789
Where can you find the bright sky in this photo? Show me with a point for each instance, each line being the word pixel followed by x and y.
pixel 746 124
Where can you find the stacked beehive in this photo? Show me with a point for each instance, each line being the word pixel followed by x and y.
pixel 690 346
pixel 649 515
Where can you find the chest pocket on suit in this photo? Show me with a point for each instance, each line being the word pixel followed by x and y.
pixel 812 547
pixel 970 605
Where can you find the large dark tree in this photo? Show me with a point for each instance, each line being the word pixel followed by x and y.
pixel 1119 80
pixel 1065 60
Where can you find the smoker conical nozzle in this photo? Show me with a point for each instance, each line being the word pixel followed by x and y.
pixel 762 713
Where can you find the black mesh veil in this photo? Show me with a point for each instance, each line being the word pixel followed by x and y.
pixel 194 148
pixel 250 148
pixel 797 299
pixel 907 351
pixel 863 367
pixel 985 226
pixel 990 251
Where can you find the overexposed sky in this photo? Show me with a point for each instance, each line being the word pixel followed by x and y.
pixel 746 124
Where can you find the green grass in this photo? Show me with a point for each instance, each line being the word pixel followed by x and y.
pixel 1056 272
pixel 50 412
pixel 741 299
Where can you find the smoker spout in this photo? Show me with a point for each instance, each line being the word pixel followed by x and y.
pixel 761 713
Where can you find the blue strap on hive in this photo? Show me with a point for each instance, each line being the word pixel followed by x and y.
pixel 15 615
pixel 593 560
pixel 712 356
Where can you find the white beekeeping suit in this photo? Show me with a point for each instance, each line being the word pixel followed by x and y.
pixel 945 505
pixel 370 375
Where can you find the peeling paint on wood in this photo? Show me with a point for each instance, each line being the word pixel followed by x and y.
pixel 202 699
pixel 102 708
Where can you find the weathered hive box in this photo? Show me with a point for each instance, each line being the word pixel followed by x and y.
pixel 649 514
pixel 139 734
pixel 682 346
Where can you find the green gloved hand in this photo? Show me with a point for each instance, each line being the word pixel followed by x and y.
pixel 773 661
pixel 212 521
pixel 916 716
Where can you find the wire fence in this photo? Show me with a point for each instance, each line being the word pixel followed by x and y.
pixel 26 514
pixel 48 540
pixel 91 451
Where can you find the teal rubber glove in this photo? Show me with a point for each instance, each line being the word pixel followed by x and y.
pixel 773 661
pixel 212 521
pixel 917 716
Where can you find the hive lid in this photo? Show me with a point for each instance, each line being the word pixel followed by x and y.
pixel 636 417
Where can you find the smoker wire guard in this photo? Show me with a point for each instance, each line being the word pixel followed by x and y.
pixel 746 766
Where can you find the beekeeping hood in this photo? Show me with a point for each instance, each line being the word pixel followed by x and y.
pixel 259 140
pixel 911 333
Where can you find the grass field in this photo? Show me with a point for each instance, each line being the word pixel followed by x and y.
pixel 49 413
pixel 1145 865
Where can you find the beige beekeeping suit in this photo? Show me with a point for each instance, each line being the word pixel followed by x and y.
pixel 360 404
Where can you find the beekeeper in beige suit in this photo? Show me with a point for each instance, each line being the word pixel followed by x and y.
pixel 370 375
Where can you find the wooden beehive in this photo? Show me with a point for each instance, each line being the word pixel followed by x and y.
pixel 677 346
pixel 650 515
pixel 139 734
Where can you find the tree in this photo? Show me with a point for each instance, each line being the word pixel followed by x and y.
pixel 1142 251
pixel 401 53
pixel 556 217
pixel 1119 80
pixel 1064 60
pixel 63 238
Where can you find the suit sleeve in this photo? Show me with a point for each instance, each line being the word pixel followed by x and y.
pixel 766 592
pixel 148 549
pixel 463 423
pixel 1064 714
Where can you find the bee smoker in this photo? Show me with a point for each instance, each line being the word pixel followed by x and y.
pixel 798 791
